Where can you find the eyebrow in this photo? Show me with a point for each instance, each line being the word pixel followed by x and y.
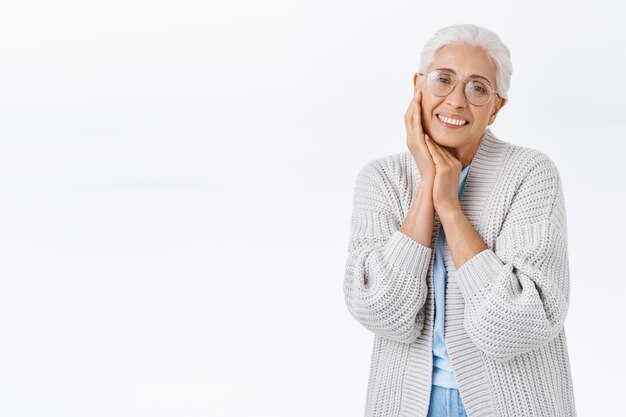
pixel 471 76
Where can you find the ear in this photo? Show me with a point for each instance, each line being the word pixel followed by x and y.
pixel 499 104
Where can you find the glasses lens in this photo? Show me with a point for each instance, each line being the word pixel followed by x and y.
pixel 477 92
pixel 440 83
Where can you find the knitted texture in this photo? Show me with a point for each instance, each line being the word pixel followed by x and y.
pixel 505 307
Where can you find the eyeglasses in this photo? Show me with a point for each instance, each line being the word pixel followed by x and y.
pixel 441 83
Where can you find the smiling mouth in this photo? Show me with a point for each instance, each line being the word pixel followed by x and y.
pixel 452 122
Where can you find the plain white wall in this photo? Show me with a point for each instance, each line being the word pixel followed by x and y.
pixel 177 183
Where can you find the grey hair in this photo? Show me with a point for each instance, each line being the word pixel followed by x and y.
pixel 497 51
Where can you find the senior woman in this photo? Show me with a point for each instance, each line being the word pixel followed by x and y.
pixel 457 257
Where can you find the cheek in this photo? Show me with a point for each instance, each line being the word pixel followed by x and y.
pixel 482 118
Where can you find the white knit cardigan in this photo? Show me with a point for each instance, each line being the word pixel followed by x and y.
pixel 505 307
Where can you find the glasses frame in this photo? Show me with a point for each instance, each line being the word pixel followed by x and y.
pixel 456 81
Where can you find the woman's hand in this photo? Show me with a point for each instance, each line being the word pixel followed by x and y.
pixel 447 177
pixel 415 138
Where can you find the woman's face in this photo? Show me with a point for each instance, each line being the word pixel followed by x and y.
pixel 465 60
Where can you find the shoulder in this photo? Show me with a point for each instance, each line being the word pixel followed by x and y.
pixel 514 160
pixel 383 183
pixel 391 169
pixel 531 158
pixel 533 184
pixel 530 165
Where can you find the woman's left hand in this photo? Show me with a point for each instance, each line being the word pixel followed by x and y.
pixel 447 176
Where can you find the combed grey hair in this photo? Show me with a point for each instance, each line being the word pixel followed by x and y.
pixel 472 35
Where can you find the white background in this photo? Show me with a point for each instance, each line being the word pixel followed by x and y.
pixel 177 179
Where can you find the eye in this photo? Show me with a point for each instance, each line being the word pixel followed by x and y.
pixel 442 79
pixel 478 87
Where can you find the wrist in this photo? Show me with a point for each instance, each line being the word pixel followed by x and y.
pixel 424 196
pixel 425 189
pixel 450 213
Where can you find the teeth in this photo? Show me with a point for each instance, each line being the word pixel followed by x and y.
pixel 451 121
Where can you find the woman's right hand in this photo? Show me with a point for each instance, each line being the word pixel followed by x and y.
pixel 416 140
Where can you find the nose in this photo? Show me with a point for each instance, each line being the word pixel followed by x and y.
pixel 456 97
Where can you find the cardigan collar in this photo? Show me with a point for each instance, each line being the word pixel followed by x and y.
pixel 488 153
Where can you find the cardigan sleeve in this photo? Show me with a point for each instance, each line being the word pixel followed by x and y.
pixel 517 293
pixel 385 284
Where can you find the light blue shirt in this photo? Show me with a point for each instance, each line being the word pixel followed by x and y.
pixel 442 369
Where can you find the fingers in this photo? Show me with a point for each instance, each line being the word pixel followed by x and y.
pixel 413 121
pixel 435 152
pixel 418 112
pixel 441 156
pixel 416 138
pixel 413 115
pixel 447 155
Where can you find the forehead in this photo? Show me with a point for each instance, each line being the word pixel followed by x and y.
pixel 465 60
